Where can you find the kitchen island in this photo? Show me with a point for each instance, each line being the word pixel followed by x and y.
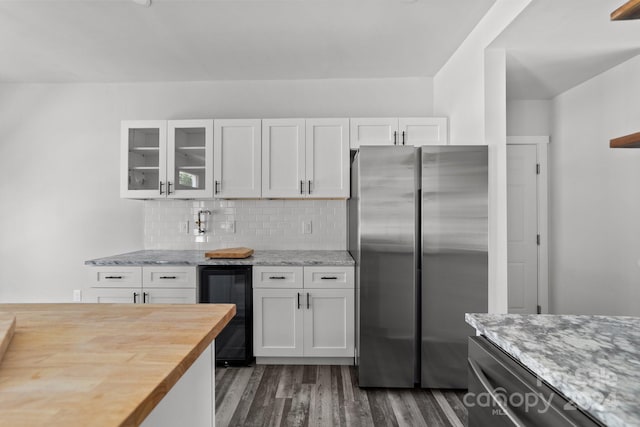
pixel 110 364
pixel 593 361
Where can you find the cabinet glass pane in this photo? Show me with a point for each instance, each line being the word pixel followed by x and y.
pixel 190 158
pixel 144 159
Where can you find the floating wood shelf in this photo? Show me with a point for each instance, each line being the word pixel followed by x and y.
pixel 629 10
pixel 627 141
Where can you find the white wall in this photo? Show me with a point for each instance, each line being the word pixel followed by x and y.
pixel 59 160
pixel 471 90
pixel 595 196
pixel 528 117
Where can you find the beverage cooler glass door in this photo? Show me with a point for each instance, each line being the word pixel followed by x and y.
pixel 231 285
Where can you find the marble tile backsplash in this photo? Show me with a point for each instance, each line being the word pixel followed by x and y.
pixel 258 224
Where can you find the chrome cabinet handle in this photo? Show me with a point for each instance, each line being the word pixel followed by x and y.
pixel 298 300
pixel 277 277
pixel 161 184
pixel 309 187
pixel 403 135
pixel 168 277
pixel 301 187
pixel 329 278
pixel 308 305
pixel 113 277
pixel 169 184
pixel 145 297
pixel 395 137
pixel 477 371
pixel 135 297
pixel 217 187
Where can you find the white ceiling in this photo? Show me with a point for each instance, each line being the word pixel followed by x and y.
pixel 555 45
pixel 185 40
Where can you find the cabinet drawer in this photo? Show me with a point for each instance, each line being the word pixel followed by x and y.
pixel 115 277
pixel 277 277
pixel 169 277
pixel 336 277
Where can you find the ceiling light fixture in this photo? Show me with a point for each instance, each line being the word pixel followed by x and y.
pixel 145 3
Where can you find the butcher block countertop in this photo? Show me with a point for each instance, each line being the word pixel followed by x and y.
pixel 99 364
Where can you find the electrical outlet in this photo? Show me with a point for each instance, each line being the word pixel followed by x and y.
pixel 77 295
pixel 229 227
pixel 183 227
pixel 306 227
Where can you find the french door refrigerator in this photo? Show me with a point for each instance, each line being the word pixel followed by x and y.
pixel 418 228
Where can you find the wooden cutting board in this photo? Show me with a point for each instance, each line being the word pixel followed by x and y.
pixel 230 253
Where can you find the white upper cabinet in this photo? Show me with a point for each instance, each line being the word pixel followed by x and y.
pixel 143 159
pixel 163 158
pixel 327 158
pixel 237 158
pixel 283 158
pixel 374 131
pixel 416 131
pixel 305 158
pixel 190 159
pixel 419 131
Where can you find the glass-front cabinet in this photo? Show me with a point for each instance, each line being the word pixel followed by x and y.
pixel 163 159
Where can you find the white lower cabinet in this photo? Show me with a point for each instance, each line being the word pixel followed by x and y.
pixel 294 320
pixel 142 285
pixel 328 323
pixel 277 322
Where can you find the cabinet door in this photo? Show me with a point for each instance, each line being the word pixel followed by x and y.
pixel 143 148
pixel 114 295
pixel 419 131
pixel 277 322
pixel 327 158
pixel 190 159
pixel 168 296
pixel 329 322
pixel 237 158
pixel 373 131
pixel 283 157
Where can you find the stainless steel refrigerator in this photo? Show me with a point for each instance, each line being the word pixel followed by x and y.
pixel 418 226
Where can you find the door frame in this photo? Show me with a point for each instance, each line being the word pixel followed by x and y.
pixel 542 185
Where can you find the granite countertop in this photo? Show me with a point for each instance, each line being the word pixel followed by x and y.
pixel 100 364
pixel 592 360
pixel 196 257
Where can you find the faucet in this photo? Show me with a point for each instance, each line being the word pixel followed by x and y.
pixel 200 222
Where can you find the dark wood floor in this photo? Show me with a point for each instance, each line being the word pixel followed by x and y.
pixel 277 395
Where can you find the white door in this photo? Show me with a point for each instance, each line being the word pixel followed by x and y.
pixel 373 131
pixel 522 226
pixel 169 296
pixel 419 131
pixel 237 158
pixel 277 322
pixel 283 158
pixel 190 159
pixel 114 295
pixel 329 322
pixel 143 159
pixel 327 163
